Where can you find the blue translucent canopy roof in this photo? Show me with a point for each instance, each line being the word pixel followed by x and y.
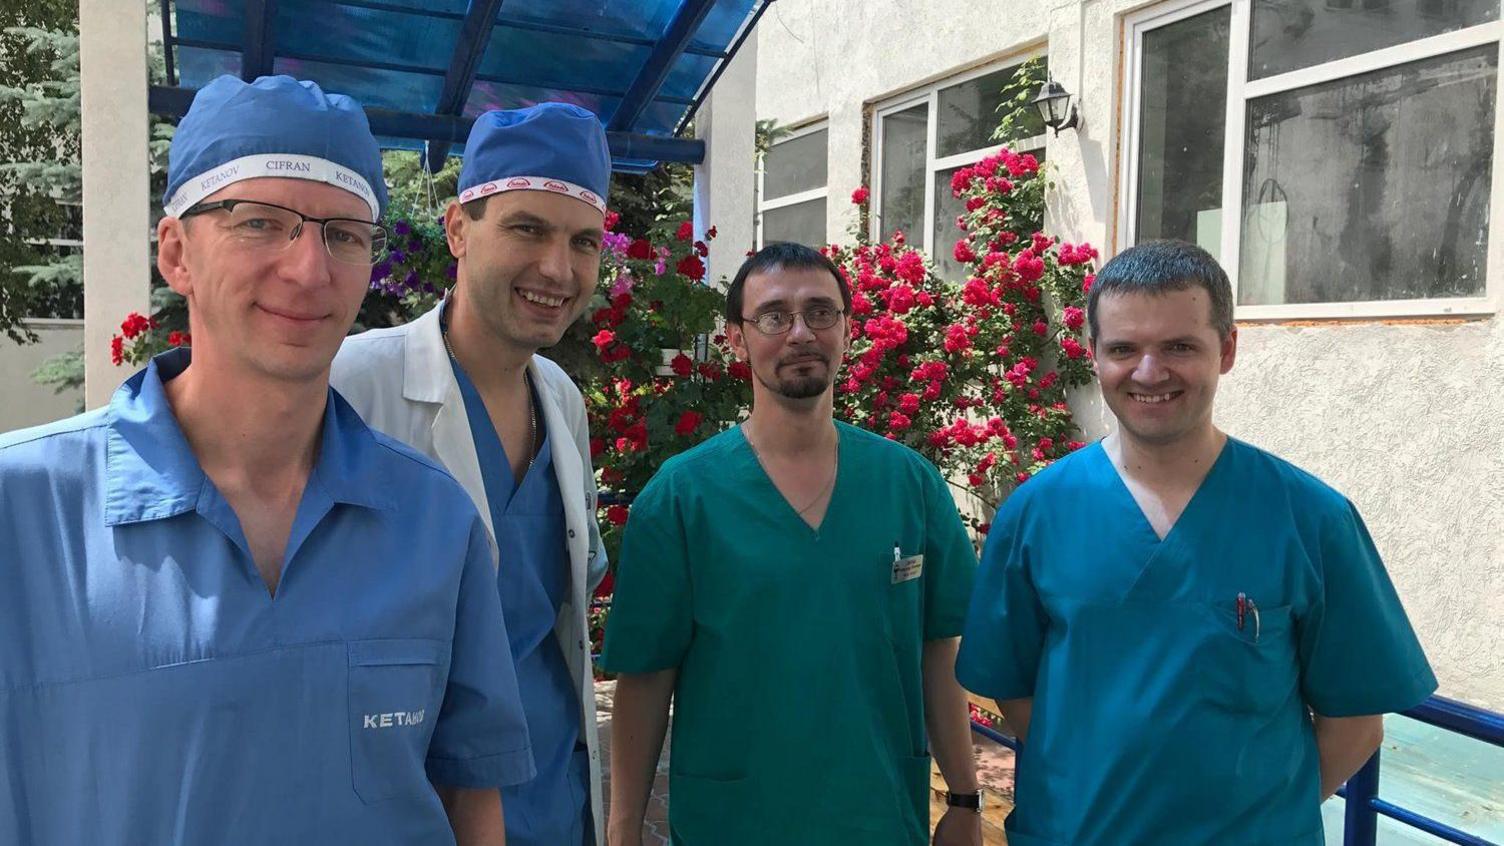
pixel 425 68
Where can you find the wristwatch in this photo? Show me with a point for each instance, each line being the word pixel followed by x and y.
pixel 970 801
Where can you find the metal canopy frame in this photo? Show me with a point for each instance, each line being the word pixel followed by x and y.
pixel 439 128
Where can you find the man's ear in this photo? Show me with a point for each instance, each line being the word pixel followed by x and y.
pixel 1229 350
pixel 172 255
pixel 456 224
pixel 737 339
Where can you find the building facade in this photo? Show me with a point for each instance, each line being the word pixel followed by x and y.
pixel 1338 156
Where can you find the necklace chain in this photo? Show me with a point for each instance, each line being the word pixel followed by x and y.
pixel 823 490
pixel 532 407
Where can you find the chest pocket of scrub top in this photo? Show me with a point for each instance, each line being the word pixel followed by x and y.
pixel 394 701
pixel 1253 668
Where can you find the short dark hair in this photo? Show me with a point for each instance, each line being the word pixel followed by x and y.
pixel 476 208
pixel 782 255
pixel 1158 267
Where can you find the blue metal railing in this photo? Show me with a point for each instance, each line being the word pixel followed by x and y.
pixel 1361 793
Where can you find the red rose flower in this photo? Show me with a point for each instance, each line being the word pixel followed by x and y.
pixel 1074 318
pixel 692 267
pixel 688 422
pixel 603 339
pixel 117 350
pixel 739 370
pixel 178 339
pixel 612 218
pixel 642 249
pixel 686 231
pixel 617 514
pixel 682 365
pixel 860 196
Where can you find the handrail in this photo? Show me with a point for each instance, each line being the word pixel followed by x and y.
pixel 1361 793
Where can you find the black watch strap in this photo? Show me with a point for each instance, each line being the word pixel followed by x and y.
pixel 972 801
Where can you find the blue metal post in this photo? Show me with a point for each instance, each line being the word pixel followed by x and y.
pixel 260 39
pixel 676 37
pixel 1360 824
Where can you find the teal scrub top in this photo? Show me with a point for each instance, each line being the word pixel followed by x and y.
pixel 1157 717
pixel 799 708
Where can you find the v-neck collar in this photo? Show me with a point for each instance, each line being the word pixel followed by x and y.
pixel 1131 502
pixel 788 508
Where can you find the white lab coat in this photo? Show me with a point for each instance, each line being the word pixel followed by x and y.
pixel 401 382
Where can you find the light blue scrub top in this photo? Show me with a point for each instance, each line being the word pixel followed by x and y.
pixel 1157 719
pixel 553 809
pixel 152 691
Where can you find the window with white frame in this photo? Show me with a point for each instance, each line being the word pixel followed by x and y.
pixel 791 202
pixel 925 137
pixel 1353 140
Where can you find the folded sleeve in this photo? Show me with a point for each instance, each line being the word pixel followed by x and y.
pixel 652 614
pixel 481 737
pixel 1005 626
pixel 1358 652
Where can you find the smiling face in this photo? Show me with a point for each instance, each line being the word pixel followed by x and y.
pixel 1158 358
pixel 259 309
pixel 528 266
pixel 802 362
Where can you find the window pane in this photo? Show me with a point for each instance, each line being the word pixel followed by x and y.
pixel 901 206
pixel 795 165
pixel 967 114
pixel 1292 35
pixel 802 223
pixel 947 209
pixel 1374 187
pixel 1183 96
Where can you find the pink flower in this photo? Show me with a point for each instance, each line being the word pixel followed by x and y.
pixel 898 421
pixel 1074 318
pixel 962 251
pixel 908 403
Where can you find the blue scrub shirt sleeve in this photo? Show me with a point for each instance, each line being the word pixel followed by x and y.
pixel 481 738
pixel 1358 653
pixel 1003 639
pixel 950 561
pixel 651 612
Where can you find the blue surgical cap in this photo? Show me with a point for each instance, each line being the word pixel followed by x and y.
pixel 276 126
pixel 548 147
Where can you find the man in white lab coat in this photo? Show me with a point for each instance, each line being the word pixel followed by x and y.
pixel 464 384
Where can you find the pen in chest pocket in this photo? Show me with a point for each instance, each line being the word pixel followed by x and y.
pixel 1245 607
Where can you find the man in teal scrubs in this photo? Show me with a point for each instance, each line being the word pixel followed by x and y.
pixel 1194 640
pixel 797 586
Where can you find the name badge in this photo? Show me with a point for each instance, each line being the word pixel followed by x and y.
pixel 907 569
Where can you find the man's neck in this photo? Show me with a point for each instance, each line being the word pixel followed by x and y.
pixel 1182 462
pixel 791 429
pixel 247 432
pixel 493 364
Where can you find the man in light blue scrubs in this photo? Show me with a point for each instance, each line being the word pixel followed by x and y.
pixel 464 385
pixel 232 613
pixel 1194 639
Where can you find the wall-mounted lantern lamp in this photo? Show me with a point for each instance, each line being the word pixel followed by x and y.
pixel 1054 104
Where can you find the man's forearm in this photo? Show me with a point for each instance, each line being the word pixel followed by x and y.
pixel 1344 745
pixel 475 815
pixel 947 717
pixel 639 720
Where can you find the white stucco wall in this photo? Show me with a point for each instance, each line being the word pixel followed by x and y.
pixel 1406 419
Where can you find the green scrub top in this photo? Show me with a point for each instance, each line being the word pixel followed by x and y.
pixel 799 708
pixel 1158 717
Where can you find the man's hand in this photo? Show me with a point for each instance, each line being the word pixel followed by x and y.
pixel 959 827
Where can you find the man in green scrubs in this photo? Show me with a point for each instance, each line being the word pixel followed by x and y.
pixel 797 585
pixel 1194 639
